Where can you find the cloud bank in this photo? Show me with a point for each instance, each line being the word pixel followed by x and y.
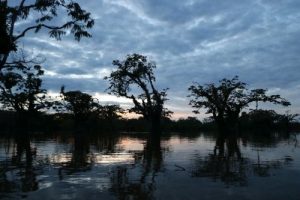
pixel 201 41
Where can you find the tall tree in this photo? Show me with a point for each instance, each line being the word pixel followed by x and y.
pixel 78 21
pixel 134 79
pixel 80 104
pixel 226 100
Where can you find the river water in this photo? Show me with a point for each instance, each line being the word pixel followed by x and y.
pixel 135 166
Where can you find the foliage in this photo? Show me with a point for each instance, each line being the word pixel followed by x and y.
pixel 137 73
pixel 21 89
pixel 267 120
pixel 110 112
pixel 259 119
pixel 78 21
pixel 187 124
pixel 80 104
pixel 226 100
pixel 5 41
pixel 289 117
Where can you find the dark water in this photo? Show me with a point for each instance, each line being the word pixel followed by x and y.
pixel 202 166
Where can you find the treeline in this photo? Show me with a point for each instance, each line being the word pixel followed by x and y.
pixel 260 121
pixel 26 105
pixel 65 122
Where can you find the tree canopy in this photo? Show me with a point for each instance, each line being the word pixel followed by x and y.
pixel 134 79
pixel 226 100
pixel 21 88
pixel 78 21
pixel 110 112
pixel 80 104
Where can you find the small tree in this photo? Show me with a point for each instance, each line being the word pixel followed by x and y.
pixel 226 100
pixel 134 79
pixel 110 112
pixel 45 11
pixel 260 120
pixel 288 119
pixel 21 89
pixel 80 104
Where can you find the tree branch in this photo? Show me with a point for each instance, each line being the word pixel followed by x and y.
pixel 43 25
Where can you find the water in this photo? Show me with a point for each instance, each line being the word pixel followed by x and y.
pixel 132 166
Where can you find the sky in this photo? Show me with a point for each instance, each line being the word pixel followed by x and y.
pixel 190 41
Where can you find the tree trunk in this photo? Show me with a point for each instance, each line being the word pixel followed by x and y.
pixel 156 125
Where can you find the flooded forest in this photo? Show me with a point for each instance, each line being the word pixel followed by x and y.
pixel 149 131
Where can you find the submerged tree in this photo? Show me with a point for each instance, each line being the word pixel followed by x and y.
pixel 133 75
pixel 80 104
pixel 226 100
pixel 110 112
pixel 288 119
pixel 259 120
pixel 78 21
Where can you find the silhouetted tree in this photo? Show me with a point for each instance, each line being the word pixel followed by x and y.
pixel 110 112
pixel 109 117
pixel 259 120
pixel 80 104
pixel 226 100
pixel 45 12
pixel 21 91
pixel 291 117
pixel 5 44
pixel 187 124
pixel 137 73
pixel 287 119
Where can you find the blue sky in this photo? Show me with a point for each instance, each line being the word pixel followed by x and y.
pixel 191 40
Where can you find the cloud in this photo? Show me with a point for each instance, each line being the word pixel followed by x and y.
pixel 201 41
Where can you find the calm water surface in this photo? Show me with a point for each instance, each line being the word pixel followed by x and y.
pixel 202 166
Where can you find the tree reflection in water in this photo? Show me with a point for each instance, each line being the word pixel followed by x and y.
pixel 19 173
pixel 227 163
pixel 81 158
pixel 138 181
pixel 132 166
